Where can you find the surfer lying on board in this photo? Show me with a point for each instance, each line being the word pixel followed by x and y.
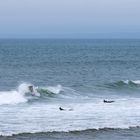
pixel 105 101
pixel 66 109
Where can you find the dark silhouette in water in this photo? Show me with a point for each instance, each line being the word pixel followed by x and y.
pixel 105 101
pixel 30 88
pixel 62 109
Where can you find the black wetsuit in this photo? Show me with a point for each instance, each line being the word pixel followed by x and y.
pixel 61 109
pixel 105 101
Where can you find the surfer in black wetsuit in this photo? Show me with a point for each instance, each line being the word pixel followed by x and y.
pixel 62 109
pixel 105 101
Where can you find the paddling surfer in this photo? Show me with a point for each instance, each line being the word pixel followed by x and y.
pixel 105 101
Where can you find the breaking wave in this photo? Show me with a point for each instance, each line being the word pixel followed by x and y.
pixel 22 94
pixel 124 84
pixel 89 115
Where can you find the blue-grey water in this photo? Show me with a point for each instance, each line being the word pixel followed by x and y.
pixel 72 74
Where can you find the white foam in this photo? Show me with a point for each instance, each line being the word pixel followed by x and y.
pixel 95 115
pixel 11 97
pixel 23 88
pixel 133 81
pixel 126 81
pixel 15 96
pixel 46 117
pixel 19 95
pixel 55 89
pixel 136 81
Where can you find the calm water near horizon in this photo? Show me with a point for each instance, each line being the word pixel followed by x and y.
pixel 79 74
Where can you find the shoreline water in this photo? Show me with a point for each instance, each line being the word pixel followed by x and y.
pixel 91 134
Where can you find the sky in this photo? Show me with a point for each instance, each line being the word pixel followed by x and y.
pixel 69 18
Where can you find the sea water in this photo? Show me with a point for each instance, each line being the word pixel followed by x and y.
pixel 79 74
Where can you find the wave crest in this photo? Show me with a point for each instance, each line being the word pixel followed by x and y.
pixel 124 84
pixel 22 94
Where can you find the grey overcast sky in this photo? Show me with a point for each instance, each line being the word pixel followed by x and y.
pixel 69 18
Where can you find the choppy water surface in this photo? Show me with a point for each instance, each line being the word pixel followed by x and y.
pixel 79 75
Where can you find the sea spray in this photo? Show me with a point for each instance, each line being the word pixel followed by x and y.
pixel 11 97
pixel 15 96
pixel 22 94
pixel 55 89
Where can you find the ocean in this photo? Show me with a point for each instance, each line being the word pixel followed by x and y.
pixel 76 75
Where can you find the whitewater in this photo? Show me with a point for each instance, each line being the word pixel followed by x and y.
pixel 76 75
pixel 30 112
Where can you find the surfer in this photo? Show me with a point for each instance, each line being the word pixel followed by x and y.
pixel 31 89
pixel 32 92
pixel 62 109
pixel 105 101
